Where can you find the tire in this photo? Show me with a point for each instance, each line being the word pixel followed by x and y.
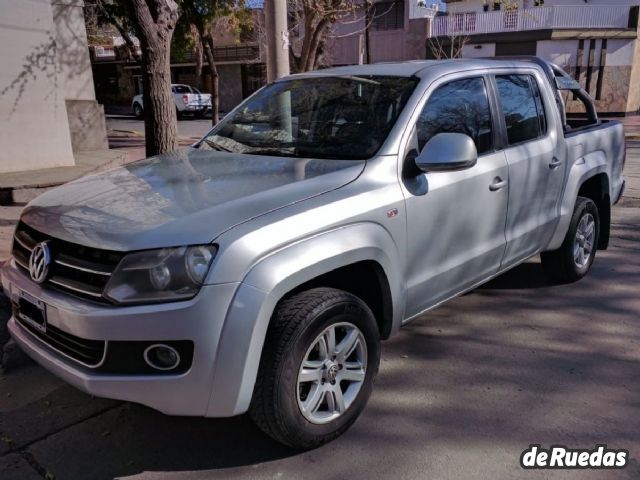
pixel 565 264
pixel 138 111
pixel 296 333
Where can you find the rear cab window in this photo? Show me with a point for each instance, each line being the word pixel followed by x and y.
pixel 181 89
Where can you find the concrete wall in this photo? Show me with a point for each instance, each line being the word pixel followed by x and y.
pixel 633 102
pixel 86 118
pixel 618 90
pixel 485 50
pixel 34 131
pixel 407 43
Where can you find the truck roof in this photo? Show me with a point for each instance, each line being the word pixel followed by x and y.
pixel 415 67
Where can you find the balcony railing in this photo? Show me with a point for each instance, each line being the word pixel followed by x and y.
pixel 537 18
pixel 228 54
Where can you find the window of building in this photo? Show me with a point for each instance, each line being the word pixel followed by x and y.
pixel 523 111
pixel 388 15
pixel 497 4
pixel 539 3
pixel 460 106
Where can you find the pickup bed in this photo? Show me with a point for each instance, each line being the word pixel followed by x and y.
pixel 259 269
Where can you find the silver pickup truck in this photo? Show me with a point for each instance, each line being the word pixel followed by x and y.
pixel 258 270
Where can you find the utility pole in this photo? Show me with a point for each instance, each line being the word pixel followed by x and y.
pixel 275 12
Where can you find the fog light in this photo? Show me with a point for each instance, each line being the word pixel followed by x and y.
pixel 161 357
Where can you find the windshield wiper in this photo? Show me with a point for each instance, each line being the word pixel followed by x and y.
pixel 217 146
pixel 271 151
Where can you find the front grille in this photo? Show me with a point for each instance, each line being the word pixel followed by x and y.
pixel 75 269
pixel 88 352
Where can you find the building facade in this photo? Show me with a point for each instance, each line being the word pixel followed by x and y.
pixel 596 41
pixel 393 33
pixel 48 107
pixel 240 62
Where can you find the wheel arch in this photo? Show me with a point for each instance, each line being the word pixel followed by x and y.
pixel 333 259
pixel 587 175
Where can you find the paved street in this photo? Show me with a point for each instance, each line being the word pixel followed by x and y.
pixel 127 132
pixel 188 127
pixel 461 393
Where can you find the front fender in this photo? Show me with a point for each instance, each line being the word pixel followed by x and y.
pixel 582 170
pixel 271 278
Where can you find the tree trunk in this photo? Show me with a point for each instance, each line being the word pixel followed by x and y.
pixel 215 92
pixel 154 30
pixel 160 122
pixel 199 63
pixel 367 32
pixel 318 35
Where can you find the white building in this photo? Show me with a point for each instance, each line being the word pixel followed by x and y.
pixel 48 109
pixel 594 40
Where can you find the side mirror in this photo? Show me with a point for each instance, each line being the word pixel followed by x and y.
pixel 447 151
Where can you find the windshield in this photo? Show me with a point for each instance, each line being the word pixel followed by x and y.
pixel 326 117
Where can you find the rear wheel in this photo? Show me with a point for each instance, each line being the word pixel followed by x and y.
pixel 137 110
pixel 573 259
pixel 317 369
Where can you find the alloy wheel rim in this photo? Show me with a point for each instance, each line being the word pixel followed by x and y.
pixel 332 373
pixel 584 240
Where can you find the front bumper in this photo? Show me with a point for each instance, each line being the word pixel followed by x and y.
pixel 199 320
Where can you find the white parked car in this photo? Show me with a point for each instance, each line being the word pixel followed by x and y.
pixel 187 99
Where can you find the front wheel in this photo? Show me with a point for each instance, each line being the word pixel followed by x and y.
pixel 318 366
pixel 573 259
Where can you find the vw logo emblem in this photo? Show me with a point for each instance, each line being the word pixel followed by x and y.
pixel 39 262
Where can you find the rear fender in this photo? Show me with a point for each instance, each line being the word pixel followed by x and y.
pixel 582 170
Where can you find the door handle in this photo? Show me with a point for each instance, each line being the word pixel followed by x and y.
pixel 498 184
pixel 555 163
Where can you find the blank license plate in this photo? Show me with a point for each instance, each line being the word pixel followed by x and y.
pixel 31 310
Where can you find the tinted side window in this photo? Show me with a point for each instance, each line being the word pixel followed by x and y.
pixel 520 109
pixel 460 106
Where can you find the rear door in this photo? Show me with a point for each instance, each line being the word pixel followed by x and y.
pixel 537 161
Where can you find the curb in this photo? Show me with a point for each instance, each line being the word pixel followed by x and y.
pixel 11 356
pixel 131 132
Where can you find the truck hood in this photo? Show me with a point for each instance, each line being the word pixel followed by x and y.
pixel 185 197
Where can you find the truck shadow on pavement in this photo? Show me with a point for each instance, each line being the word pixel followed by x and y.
pixel 478 379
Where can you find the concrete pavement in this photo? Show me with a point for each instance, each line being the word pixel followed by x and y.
pixel 462 391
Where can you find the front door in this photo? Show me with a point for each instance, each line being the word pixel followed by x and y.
pixel 536 165
pixel 456 219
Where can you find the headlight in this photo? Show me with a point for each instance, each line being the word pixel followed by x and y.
pixel 164 275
